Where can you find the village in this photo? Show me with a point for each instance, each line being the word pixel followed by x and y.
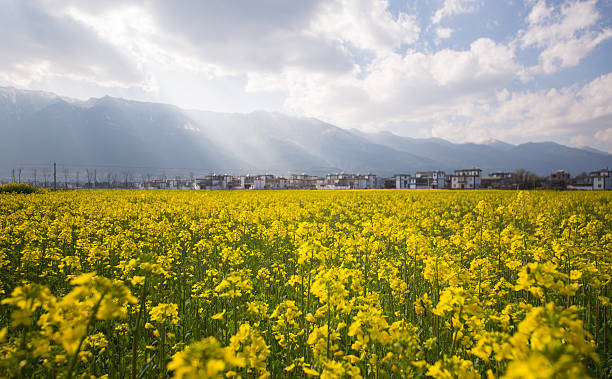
pixel 463 179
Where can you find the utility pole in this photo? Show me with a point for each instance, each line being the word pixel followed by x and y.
pixel 13 176
pixel 95 173
pixel 54 176
pixel 77 182
pixel 19 174
pixel 35 178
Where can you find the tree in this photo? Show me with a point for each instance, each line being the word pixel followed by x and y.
pixel 524 179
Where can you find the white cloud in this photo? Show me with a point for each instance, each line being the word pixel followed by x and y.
pixel 244 36
pixel 354 63
pixel 581 140
pixel 539 13
pixel 38 42
pixel 604 136
pixel 236 38
pixel 453 7
pixel 366 24
pixel 444 33
pixel 565 34
pixel 543 115
pixel 405 87
pixel 485 61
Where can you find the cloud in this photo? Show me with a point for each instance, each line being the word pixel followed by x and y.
pixel 444 33
pixel 539 13
pixel 412 86
pixel 272 36
pixel 564 35
pixel 558 114
pixel 453 7
pixel 40 42
pixel 463 107
pixel 366 24
pixel 581 140
pixel 604 136
pixel 243 36
pixel 485 62
pixel 359 63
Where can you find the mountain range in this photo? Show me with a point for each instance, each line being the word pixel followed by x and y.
pixel 37 128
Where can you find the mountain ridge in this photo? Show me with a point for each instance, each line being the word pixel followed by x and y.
pixel 39 126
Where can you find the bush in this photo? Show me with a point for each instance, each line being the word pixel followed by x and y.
pixel 17 188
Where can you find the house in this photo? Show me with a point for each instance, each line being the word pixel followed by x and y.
pixel 336 181
pixel 466 179
pixel 385 183
pixel 370 181
pixel 262 182
pixel 348 181
pixel 402 181
pixel 497 180
pixel 602 179
pixel 270 182
pixel 216 182
pixel 560 176
pixel 583 179
pixel 420 183
pixel 257 182
pixel 157 184
pixel 277 183
pixel 180 183
pixel 246 181
pixel 302 181
pixel 559 179
pixel 428 180
pixel 582 182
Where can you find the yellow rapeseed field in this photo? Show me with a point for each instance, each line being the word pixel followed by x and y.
pixel 186 284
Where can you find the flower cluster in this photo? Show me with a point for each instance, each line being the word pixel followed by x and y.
pixel 332 284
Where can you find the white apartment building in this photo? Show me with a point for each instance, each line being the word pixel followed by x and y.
pixel 402 181
pixel 466 179
pixel 602 179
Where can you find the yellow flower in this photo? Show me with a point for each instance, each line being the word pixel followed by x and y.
pixel 250 349
pixel 165 313
pixel 203 359
pixel 309 371
pixel 137 280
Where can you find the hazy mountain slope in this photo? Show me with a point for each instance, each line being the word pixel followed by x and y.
pixel 324 147
pixel 501 145
pixel 15 104
pixel 593 150
pixel 38 128
pixel 539 157
pixel 545 157
pixel 109 132
pixel 448 156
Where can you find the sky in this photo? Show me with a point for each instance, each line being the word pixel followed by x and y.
pixel 463 70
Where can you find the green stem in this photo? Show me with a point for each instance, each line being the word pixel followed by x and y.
pixel 136 336
pixel 73 360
